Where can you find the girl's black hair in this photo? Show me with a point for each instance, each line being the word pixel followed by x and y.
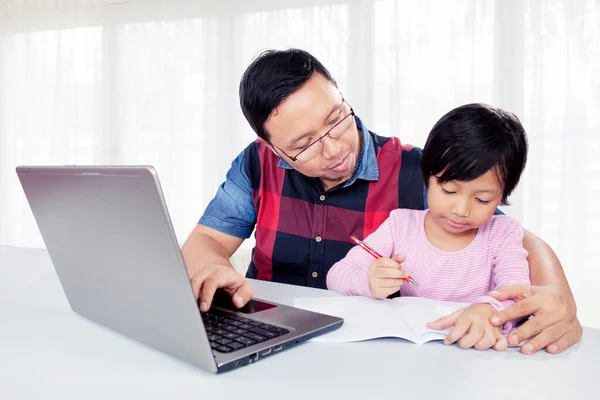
pixel 472 139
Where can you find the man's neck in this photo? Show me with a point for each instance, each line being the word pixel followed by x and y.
pixel 327 184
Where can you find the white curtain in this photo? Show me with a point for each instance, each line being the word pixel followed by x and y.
pixel 155 82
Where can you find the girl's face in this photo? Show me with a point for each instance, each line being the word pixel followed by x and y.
pixel 459 207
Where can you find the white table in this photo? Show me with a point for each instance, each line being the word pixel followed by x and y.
pixel 49 352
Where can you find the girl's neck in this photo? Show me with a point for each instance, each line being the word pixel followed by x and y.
pixel 444 240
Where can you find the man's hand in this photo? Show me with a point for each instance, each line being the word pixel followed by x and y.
pixel 386 276
pixel 206 254
pixel 472 328
pixel 554 322
pixel 206 281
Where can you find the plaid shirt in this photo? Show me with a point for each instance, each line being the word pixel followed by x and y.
pixel 302 229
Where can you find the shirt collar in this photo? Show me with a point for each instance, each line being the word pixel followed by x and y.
pixel 366 167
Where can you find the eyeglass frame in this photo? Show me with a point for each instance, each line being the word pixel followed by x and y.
pixel 320 139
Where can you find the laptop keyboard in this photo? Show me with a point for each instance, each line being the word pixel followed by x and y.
pixel 228 332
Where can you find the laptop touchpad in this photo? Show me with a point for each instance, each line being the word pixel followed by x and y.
pixel 223 300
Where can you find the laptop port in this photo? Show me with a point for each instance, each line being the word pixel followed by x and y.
pixel 265 352
pixel 277 348
pixel 253 357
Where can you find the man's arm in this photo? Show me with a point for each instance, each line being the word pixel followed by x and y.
pixel 226 222
pixel 550 301
pixel 205 246
pixel 206 254
pixel 544 265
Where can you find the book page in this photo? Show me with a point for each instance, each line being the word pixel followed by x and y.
pixel 366 318
pixel 417 312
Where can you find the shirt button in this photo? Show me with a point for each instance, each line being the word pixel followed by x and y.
pixel 318 239
pixel 315 274
pixel 322 197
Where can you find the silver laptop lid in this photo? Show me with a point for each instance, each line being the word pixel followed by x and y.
pixel 140 287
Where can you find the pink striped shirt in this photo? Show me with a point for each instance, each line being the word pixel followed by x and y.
pixel 494 258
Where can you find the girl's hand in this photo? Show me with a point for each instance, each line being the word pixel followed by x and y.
pixel 472 328
pixel 386 276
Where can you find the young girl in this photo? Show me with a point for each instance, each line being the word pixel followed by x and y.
pixel 457 250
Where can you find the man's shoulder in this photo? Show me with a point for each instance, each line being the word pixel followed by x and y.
pixel 258 152
pixel 259 161
pixel 255 147
pixel 393 144
pixel 392 150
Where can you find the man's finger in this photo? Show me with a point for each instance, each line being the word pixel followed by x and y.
pixel 198 279
pixel 534 326
pixel 195 288
pixel 566 341
pixel 543 339
pixel 207 293
pixel 520 309
pixel 222 277
pixel 513 292
pixel 243 294
pixel 445 322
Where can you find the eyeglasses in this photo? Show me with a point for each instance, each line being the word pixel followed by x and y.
pixel 313 149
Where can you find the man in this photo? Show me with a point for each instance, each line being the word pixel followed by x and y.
pixel 316 176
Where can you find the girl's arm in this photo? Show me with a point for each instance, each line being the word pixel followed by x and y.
pixel 510 262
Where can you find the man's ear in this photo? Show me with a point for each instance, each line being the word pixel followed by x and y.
pixel 269 145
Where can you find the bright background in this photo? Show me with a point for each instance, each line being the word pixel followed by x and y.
pixel 155 82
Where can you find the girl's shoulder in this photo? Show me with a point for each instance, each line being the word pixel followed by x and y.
pixel 501 225
pixel 406 214
pixel 407 220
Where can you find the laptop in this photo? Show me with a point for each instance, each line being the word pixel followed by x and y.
pixel 109 235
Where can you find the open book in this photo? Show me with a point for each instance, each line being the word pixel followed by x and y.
pixel 366 318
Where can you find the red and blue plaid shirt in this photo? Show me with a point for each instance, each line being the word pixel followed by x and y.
pixel 302 229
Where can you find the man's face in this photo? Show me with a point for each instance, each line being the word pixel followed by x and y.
pixel 304 117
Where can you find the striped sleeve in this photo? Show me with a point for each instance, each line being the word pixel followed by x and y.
pixel 510 264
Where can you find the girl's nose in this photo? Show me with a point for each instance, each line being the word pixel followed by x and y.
pixel 461 209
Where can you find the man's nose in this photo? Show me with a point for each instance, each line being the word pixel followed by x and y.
pixel 331 147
